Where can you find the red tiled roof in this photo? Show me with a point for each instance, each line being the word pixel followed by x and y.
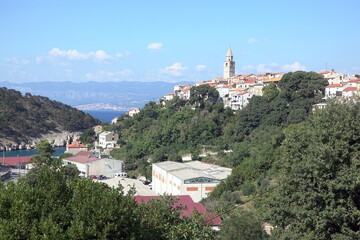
pixel 350 89
pixel 324 72
pixel 242 93
pixel 13 161
pixel 169 94
pixel 251 80
pixel 81 158
pixel 190 206
pixel 86 153
pixel 76 145
pixel 336 85
pixel 355 80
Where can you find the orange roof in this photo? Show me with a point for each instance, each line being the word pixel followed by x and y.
pixel 355 80
pixel 242 93
pixel 169 94
pixel 236 89
pixel 186 89
pixel 81 159
pixel 246 75
pixel 251 80
pixel 336 85
pixel 324 72
pixel 350 89
pixel 76 145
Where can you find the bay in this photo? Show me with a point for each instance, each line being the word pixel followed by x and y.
pixel 104 115
pixel 23 153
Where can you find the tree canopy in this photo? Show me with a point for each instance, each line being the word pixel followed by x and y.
pixel 318 190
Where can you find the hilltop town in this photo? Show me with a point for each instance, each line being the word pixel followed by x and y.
pixel 236 90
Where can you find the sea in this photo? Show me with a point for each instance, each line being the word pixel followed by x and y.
pixel 23 153
pixel 105 115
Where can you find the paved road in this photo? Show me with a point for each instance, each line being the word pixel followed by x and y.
pixel 127 183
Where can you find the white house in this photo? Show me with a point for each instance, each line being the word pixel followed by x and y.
pixel 169 97
pixel 108 139
pixel 334 90
pixel 194 178
pixel 133 111
pixel 240 100
pixel 88 163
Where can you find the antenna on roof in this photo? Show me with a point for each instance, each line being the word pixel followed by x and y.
pixel 326 66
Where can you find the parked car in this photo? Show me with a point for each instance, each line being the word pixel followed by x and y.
pixel 121 174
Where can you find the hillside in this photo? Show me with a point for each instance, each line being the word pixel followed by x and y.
pixel 25 117
pixel 292 168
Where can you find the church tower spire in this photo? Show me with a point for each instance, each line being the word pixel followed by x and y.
pixel 229 64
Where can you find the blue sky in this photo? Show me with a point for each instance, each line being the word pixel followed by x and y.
pixel 115 40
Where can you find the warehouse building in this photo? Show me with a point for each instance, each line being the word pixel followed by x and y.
pixel 195 178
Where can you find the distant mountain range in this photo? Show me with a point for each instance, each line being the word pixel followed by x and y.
pixel 97 95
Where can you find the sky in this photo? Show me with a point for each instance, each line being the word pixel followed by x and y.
pixel 174 41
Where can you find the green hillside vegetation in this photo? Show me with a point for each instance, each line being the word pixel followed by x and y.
pixel 27 116
pixel 292 168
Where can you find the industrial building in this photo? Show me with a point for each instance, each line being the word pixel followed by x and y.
pixel 195 178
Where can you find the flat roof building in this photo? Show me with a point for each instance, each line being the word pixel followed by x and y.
pixel 195 178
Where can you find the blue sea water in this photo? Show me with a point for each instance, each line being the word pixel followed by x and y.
pixel 23 153
pixel 105 116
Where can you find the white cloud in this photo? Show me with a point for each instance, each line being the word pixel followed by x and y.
pixel 175 70
pixel 14 60
pixel 252 40
pixel 273 64
pixel 263 68
pixel 200 67
pixel 296 66
pixel 122 55
pixel 109 76
pixel 74 54
pixel 154 46
pixel 69 54
pixel 99 55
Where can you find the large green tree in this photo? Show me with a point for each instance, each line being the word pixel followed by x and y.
pixel 50 203
pixel 318 188
pixel 203 93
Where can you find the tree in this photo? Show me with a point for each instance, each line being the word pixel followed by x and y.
pixel 203 93
pixel 45 151
pixel 242 225
pixel 88 136
pixel 318 191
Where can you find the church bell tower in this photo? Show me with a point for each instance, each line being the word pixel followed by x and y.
pixel 229 65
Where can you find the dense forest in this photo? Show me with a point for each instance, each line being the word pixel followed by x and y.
pixel 24 117
pixel 293 168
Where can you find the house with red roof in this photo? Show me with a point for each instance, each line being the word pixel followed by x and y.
pixel 334 90
pixel 89 163
pixel 75 147
pixel 168 97
pixel 350 92
pixel 188 207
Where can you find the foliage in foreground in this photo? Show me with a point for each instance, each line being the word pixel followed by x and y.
pixel 318 190
pixel 48 204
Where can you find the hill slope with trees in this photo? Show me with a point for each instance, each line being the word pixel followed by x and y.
pixel 25 117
